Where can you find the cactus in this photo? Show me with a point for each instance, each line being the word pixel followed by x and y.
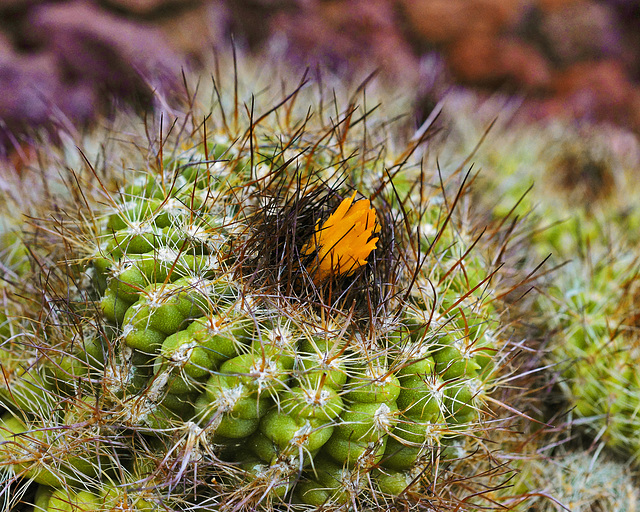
pixel 592 310
pixel 589 309
pixel 270 312
pixel 575 480
pixel 577 187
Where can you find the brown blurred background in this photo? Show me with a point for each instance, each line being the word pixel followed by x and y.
pixel 66 62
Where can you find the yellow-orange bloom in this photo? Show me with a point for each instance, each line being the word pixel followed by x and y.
pixel 343 242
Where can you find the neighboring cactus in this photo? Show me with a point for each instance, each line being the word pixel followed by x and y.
pixel 236 328
pixel 589 311
pixel 578 188
pixel 579 481
pixel 592 311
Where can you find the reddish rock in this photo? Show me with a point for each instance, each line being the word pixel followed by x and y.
pixel 443 21
pixel 75 54
pixel 596 89
pixel 604 78
pixel 474 59
pixel 524 65
pixel 483 59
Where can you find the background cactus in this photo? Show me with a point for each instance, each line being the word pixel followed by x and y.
pixel 577 188
pixel 589 310
pixel 228 323
pixel 576 480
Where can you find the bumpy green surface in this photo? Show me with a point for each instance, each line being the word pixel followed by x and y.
pixel 198 362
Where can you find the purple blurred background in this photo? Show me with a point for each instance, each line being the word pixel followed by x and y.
pixel 67 62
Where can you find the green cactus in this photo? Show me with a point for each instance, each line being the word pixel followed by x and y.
pixel 236 315
pixel 576 480
pixel 577 186
pixel 591 311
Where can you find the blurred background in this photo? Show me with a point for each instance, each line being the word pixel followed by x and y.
pixel 68 62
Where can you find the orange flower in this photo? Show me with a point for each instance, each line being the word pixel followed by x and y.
pixel 343 242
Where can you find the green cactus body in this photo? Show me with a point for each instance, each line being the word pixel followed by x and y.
pixel 282 339
pixel 65 501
